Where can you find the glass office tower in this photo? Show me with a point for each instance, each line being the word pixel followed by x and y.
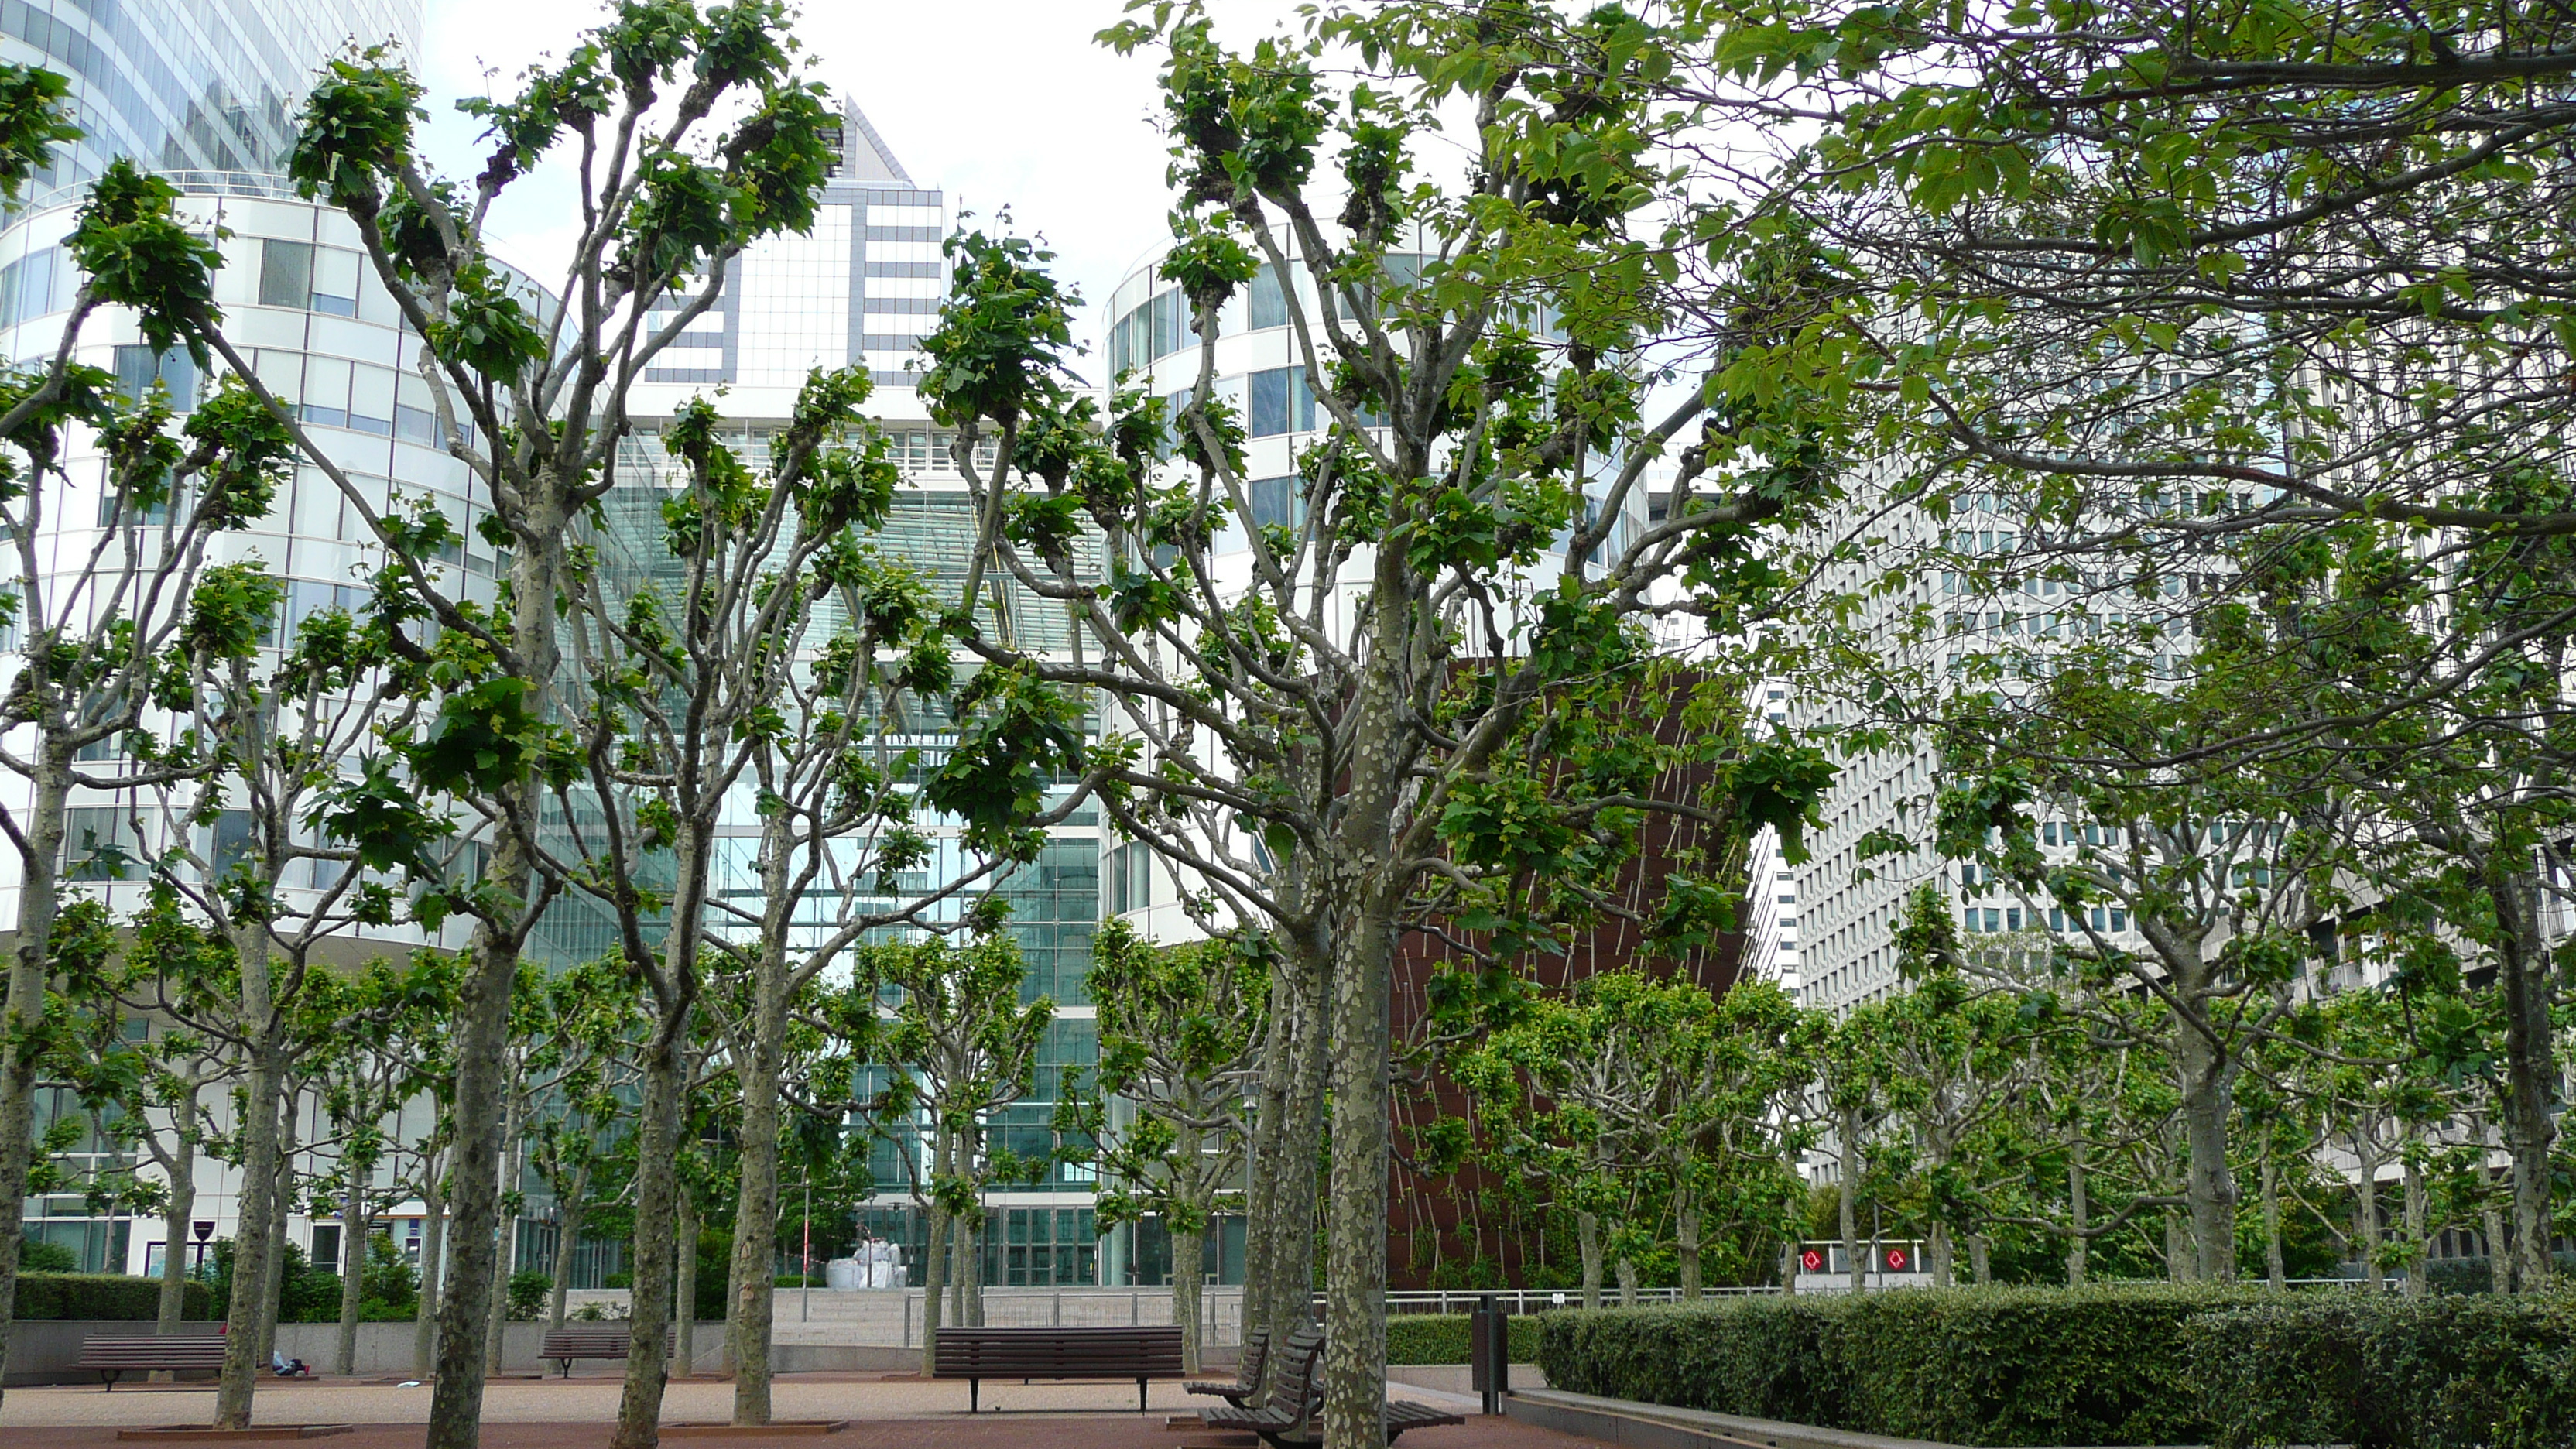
pixel 211 86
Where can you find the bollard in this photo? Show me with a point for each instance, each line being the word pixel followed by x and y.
pixel 1489 1351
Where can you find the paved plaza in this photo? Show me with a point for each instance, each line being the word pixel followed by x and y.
pixel 885 1412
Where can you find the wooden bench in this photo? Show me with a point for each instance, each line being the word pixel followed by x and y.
pixel 1293 1418
pixel 1247 1372
pixel 114 1357
pixel 977 1354
pixel 563 1345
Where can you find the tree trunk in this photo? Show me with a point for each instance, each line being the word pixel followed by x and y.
pixel 1587 1241
pixel 1263 1167
pixel 433 1234
pixel 684 1284
pixel 657 1126
pixel 1356 1211
pixel 2275 1271
pixel 466 1299
pixel 2417 1253
pixel 256 1211
pixel 493 1337
pixel 1627 1282
pixel 176 1216
pixel 567 1236
pixel 353 1266
pixel 934 1254
pixel 1981 1262
pixel 753 1274
pixel 1301 1141
pixel 2079 1210
pixel 273 1301
pixel 29 970
pixel 2526 978
pixel 1188 1247
pixel 2207 1078
pixel 1686 1249
pixel 1940 1253
pixel 2366 1223
pixel 2499 1261
pixel 1850 1186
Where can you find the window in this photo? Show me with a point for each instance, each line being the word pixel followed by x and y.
pixel 1275 502
pixel 326 1247
pixel 1269 300
pixel 137 369
pixel 285 273
pixel 98 843
pixel 230 844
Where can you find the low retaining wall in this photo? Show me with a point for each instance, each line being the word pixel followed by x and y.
pixel 1655 1426
pixel 42 1350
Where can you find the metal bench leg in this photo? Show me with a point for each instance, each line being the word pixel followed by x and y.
pixel 109 1377
pixel 1140 1396
pixel 974 1394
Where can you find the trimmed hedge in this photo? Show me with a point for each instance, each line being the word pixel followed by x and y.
pixel 2440 1373
pixel 1428 1338
pixel 1999 1367
pixel 2006 1367
pixel 104 1296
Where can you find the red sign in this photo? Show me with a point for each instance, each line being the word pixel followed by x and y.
pixel 1811 1260
pixel 1896 1260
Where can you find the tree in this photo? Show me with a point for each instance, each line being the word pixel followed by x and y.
pixel 944 1027
pixel 101 640
pixel 692 137
pixel 1364 723
pixel 1180 1029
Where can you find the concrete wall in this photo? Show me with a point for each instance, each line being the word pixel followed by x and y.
pixel 42 1350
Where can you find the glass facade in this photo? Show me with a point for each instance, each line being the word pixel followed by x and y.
pixel 195 87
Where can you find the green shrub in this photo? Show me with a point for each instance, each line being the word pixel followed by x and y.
pixel 1990 1366
pixel 529 1290
pixel 104 1296
pixel 2458 1372
pixel 1426 1338
pixel 2132 1365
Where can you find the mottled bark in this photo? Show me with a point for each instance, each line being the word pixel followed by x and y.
pixel 177 1215
pixel 568 1215
pixel 2206 1074
pixel 1355 1272
pixel 2418 1252
pixel 684 1284
pixel 1189 1246
pixel 657 1126
pixel 256 1211
pixel 2275 1270
pixel 24 1008
pixel 353 1264
pixel 466 1300
pixel 2526 980
pixel 1848 1200
pixel 433 1237
pixel 1686 1249
pixel 754 1270
pixel 492 1338
pixel 934 1256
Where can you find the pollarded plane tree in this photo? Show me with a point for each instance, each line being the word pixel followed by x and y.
pixel 1737 1135
pixel 104 629
pixel 940 1041
pixel 1295 741
pixel 1181 1028
pixel 165 1086
pixel 712 669
pixel 366 1078
pixel 688 135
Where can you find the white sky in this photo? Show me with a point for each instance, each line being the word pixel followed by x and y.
pixel 998 102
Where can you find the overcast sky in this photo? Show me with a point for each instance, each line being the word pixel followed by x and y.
pixel 998 102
